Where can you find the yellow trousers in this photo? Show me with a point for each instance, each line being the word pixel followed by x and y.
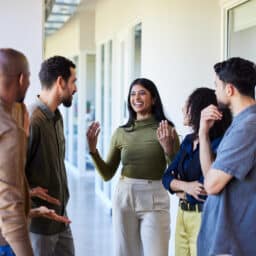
pixel 187 228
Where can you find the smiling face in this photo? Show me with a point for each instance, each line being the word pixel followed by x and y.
pixel 141 100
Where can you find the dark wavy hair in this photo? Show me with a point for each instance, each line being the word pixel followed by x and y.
pixel 239 72
pixel 157 108
pixel 197 101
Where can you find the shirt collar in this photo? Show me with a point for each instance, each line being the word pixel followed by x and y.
pixel 249 110
pixel 150 120
pixel 44 108
pixel 6 107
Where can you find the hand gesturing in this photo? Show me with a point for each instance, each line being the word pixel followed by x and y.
pixel 165 136
pixel 45 212
pixel 42 193
pixel 92 136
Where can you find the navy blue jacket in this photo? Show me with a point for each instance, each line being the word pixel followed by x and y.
pixel 186 165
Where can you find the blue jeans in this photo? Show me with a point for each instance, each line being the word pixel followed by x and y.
pixel 6 250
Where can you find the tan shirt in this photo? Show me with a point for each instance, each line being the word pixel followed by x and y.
pixel 14 196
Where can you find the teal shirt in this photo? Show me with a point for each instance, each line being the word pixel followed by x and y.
pixel 138 150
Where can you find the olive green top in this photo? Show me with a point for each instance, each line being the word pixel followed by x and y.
pixel 139 151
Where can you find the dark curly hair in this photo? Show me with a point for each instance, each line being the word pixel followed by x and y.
pixel 157 108
pixel 239 72
pixel 54 67
pixel 197 101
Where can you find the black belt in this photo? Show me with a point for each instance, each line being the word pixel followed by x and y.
pixel 186 206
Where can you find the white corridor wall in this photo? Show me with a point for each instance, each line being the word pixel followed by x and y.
pixel 181 41
pixel 21 26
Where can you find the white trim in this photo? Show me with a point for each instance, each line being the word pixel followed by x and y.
pixel 228 4
pixel 82 96
pixel 105 40
pixel 87 52
pixel 70 134
pixel 102 189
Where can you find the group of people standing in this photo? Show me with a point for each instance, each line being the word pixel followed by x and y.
pixel 212 171
pixel 33 183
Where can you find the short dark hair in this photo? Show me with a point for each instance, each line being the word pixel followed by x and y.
pixel 197 101
pixel 54 67
pixel 239 72
pixel 157 108
pixel 12 62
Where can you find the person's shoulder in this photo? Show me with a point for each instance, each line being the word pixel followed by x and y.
pixel 188 138
pixel 118 131
pixel 247 124
pixel 9 133
pixel 7 124
pixel 33 109
pixel 119 134
pixel 122 130
pixel 35 114
pixel 245 120
pixel 240 132
pixel 250 119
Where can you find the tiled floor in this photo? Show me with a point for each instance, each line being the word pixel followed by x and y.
pixel 91 225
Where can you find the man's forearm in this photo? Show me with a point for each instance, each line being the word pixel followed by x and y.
pixel 205 152
pixel 22 248
pixel 14 225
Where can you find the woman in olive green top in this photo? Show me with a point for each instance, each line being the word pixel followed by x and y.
pixel 144 145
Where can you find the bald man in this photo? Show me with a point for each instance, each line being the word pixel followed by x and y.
pixel 14 195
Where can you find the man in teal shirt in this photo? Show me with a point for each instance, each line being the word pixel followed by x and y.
pixel 228 226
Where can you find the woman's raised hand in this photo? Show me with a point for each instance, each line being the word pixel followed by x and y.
pixel 92 136
pixel 165 136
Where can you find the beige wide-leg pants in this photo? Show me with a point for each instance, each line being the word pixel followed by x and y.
pixel 141 218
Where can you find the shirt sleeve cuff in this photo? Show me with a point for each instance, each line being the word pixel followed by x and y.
pixel 227 170
pixel 22 248
pixel 166 180
pixel 95 156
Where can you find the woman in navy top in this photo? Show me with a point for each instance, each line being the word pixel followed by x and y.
pixel 184 175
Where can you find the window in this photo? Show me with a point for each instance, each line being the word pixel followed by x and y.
pixel 137 51
pixel 105 105
pixel 102 97
pixel 89 102
pixel 74 110
pixel 242 31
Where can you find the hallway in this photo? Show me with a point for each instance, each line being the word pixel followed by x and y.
pixel 91 224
